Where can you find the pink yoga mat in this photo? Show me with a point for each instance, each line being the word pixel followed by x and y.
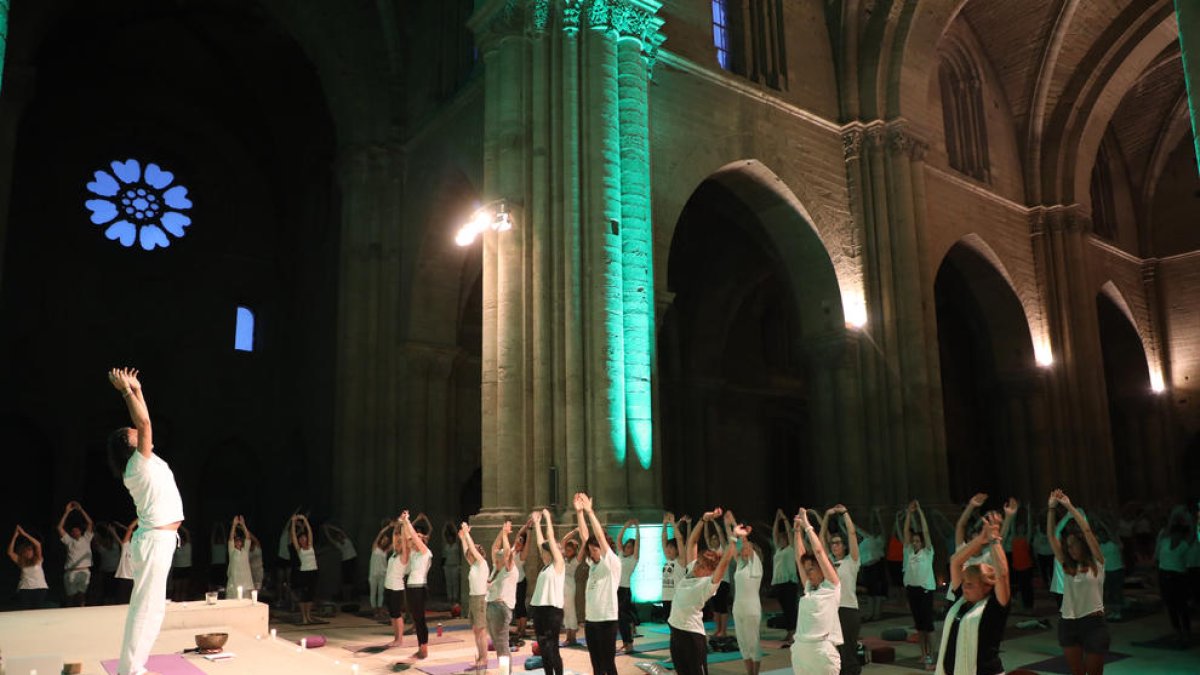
pixel 450 668
pixel 165 664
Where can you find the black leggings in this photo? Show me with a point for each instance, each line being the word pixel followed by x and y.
pixel 415 595
pixel 625 614
pixel 601 639
pixel 789 603
pixel 1174 591
pixel 689 652
pixel 547 622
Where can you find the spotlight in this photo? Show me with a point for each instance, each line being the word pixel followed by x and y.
pixel 1156 382
pixel 493 215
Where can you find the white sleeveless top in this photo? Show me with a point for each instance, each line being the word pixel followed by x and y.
pixel 548 590
pixel 393 579
pixel 1083 594
pixel 308 559
pixel 32 578
pixel 418 567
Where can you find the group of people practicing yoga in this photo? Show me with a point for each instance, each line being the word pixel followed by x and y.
pixel 715 566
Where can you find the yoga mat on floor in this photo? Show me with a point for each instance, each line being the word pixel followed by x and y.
pixel 914 662
pixel 363 648
pixel 164 664
pixel 666 629
pixel 454 668
pixel 1058 664
pixel 650 646
pixel 713 657
pixel 1170 642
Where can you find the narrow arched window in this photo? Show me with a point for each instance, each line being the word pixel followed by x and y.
pixel 963 113
pixel 243 336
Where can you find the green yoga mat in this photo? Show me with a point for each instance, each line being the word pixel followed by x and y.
pixel 713 657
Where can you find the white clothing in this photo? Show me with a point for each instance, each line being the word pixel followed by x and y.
pixel 219 554
pixel 256 566
pixel 151 552
pixel 503 586
pixel 375 591
pixel 151 483
pixel 747 608
pixel 847 569
pixel 347 548
pixel 1173 559
pixel 984 558
pixel 870 550
pixel 125 566
pixel 237 573
pixel 378 565
pixel 817 619
pixel 602 588
pixel 783 569
pixel 110 557
pixel 519 561
pixel 477 577
pixel 816 658
pixel 308 559
pixel 394 573
pixel 687 609
pixel 76 581
pixel 672 573
pixel 918 568
pixel 966 643
pixel 548 590
pixel 1056 582
pixel 570 614
pixel 418 568
pixel 628 563
pixel 33 577
pixel 1083 594
pixel 79 551
pixel 1112 556
pixel 182 557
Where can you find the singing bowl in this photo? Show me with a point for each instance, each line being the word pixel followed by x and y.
pixel 211 641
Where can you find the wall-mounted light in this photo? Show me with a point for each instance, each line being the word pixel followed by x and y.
pixel 1043 355
pixel 1156 381
pixel 491 216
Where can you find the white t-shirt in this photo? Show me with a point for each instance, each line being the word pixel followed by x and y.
pixel 151 483
pixel 628 564
pixel 672 573
pixel 477 578
pixel 687 609
pixel 308 559
pixel 548 589
pixel 503 586
pixel 747 579
pixel 602 588
pixel 918 568
pixel 817 619
pixel 418 567
pixel 783 569
pixel 125 565
pixel 33 577
pixel 347 548
pixel 238 571
pixel 569 582
pixel 847 569
pixel 1083 594
pixel 394 573
pixel 378 566
pixel 79 551
pixel 182 558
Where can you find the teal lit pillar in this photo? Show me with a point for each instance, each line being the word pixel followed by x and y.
pixel 3 38
pixel 1187 15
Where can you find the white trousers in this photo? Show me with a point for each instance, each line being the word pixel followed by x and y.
pixel 152 551
pixel 747 621
pixel 815 658
pixel 375 585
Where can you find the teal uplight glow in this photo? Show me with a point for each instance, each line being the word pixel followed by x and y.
pixel 646 583
pixel 1187 16
pixel 3 37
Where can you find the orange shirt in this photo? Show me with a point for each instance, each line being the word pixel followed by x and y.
pixel 1022 554
pixel 895 550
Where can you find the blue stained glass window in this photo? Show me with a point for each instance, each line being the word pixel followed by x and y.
pixel 720 33
pixel 243 339
pixel 138 206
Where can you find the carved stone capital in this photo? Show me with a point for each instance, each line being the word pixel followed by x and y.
pixel 852 142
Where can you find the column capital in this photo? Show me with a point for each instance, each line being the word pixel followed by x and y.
pixel 852 143
pixel 902 141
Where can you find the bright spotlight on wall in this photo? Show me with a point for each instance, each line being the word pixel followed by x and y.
pixel 491 216
pixel 1043 355
pixel 1156 382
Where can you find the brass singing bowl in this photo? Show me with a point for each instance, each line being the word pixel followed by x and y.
pixel 211 641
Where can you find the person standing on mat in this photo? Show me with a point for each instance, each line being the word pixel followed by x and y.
pixel 521 558
pixel 672 570
pixel 818 631
pixel 123 576
pixel 571 561
pixel 26 553
pixel 77 570
pixel 975 622
pixel 843 549
pixel 238 571
pixel 600 630
pixel 1082 631
pixel 393 583
pixel 377 571
pixel 705 571
pixel 451 564
pixel 415 594
pixel 477 590
pixel 919 581
pixel 547 600
pixel 151 484
pixel 502 591
pixel 784 581
pixel 747 607
pixel 630 553
pixel 305 581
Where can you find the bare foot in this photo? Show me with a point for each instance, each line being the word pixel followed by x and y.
pixel 394 643
pixel 420 654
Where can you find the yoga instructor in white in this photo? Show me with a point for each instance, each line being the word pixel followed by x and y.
pixel 160 512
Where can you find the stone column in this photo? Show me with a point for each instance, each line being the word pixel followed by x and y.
pixel 1187 17
pixel 3 38
pixel 568 321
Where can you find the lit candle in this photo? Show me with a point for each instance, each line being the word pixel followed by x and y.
pixel 303 643
pixel 504 665
pixel 272 633
pixel 254 595
pixel 239 592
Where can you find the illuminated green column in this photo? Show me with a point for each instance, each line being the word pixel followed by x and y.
pixel 3 38
pixel 1187 15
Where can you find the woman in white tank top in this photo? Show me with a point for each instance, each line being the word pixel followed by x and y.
pixel 27 555
pixel 549 593
pixel 1082 632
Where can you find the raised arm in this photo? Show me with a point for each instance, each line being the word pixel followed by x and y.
pixel 12 546
pixel 467 544
pixel 233 526
pixel 1010 512
pixel 818 550
pixel 411 533
pixel 555 551
pixel 605 549
pixel 668 523
pixel 62 522
pixel 692 550
pixel 988 538
pixel 292 531
pixel 824 534
pixel 799 525
pixel 581 503
pixel 912 507
pixel 718 574
pixel 925 528
pixel 637 538
pixel 125 380
pixel 851 532
pixel 780 530
pixel 422 518
pixel 621 534
pixel 1088 535
pixel 1055 544
pixel 960 527
pixel 129 529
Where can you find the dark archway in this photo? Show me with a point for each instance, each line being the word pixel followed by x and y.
pixel 990 386
pixel 733 382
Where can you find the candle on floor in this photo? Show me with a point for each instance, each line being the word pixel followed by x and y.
pixel 239 592
pixel 303 643
pixel 272 633
pixel 254 595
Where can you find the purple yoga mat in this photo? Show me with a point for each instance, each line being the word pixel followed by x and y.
pixel 165 664
pixel 453 668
